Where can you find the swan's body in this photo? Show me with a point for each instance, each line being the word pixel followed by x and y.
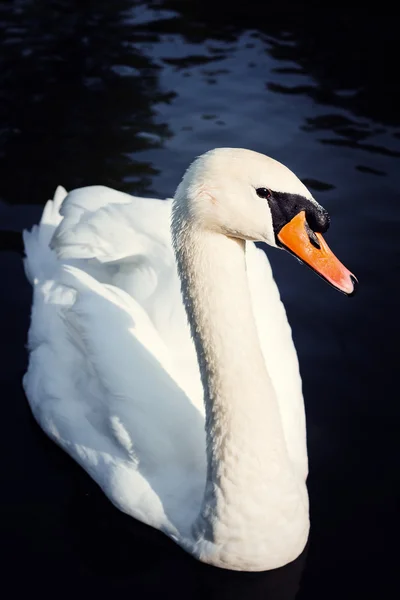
pixel 114 379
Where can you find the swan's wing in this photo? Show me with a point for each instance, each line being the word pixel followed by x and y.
pixel 125 241
pixel 108 225
pixel 101 383
pixel 279 353
pixel 118 238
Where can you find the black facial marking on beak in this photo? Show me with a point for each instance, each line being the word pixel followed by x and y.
pixel 285 206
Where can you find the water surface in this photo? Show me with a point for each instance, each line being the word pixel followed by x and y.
pixel 126 94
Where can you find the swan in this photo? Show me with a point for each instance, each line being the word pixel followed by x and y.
pixel 161 358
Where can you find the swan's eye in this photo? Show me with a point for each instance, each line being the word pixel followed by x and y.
pixel 264 193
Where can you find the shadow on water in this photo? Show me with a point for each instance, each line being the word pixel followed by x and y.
pixel 126 94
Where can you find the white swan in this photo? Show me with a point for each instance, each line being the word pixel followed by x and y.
pixel 113 375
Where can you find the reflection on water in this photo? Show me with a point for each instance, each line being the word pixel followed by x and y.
pixel 90 96
pixel 126 93
pixel 79 100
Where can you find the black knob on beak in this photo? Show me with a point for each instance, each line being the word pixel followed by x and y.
pixel 317 218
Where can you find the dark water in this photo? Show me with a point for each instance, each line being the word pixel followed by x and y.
pixel 125 94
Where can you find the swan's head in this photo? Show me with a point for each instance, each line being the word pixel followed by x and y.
pixel 247 195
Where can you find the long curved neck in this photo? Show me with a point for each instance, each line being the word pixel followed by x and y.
pixel 249 475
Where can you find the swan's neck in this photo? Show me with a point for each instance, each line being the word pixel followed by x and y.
pixel 250 480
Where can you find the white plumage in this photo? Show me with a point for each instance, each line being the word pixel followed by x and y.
pixel 114 379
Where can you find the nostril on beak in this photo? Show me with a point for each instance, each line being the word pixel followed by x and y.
pixel 311 236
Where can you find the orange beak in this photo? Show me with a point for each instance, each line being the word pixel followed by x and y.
pixel 310 247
